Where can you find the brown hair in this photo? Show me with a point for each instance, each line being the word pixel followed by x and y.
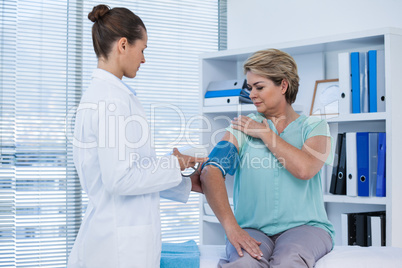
pixel 112 24
pixel 275 65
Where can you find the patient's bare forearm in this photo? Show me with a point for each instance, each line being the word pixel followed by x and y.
pixel 213 185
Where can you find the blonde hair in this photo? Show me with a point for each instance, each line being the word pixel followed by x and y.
pixel 275 65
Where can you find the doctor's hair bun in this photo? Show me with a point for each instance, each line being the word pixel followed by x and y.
pixel 98 12
pixel 111 24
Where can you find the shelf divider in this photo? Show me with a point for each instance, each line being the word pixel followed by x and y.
pixel 329 198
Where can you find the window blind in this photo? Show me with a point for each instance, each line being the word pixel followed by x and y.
pixel 40 194
pixel 7 139
pixel 46 62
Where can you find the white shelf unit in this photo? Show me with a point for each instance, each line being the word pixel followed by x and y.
pixel 317 59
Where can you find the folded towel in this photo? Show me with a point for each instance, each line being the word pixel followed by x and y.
pixel 177 255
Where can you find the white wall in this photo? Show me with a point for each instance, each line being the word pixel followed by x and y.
pixel 259 22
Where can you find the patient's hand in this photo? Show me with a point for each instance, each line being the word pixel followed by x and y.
pixel 250 126
pixel 240 239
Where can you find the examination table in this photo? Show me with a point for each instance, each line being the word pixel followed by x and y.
pixel 340 256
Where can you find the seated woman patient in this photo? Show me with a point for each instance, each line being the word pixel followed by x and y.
pixel 276 154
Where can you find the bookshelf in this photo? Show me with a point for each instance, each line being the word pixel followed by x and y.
pixel 317 59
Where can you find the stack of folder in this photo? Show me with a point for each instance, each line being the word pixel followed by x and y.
pixel 362 82
pixel 363 229
pixel 227 92
pixel 359 164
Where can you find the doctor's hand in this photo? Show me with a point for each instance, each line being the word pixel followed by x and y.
pixel 187 161
pixel 240 239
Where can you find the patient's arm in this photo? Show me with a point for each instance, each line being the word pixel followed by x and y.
pixel 213 185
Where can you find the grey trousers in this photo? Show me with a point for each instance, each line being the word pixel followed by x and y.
pixel 297 247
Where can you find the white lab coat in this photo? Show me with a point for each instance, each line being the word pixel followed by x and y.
pixel 118 170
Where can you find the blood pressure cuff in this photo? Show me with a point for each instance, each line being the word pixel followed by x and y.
pixel 225 157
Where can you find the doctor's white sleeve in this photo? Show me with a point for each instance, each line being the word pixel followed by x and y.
pixel 127 161
pixel 180 193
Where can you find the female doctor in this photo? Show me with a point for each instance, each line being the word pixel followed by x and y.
pixel 113 156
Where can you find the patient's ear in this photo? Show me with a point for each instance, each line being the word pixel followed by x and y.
pixel 284 86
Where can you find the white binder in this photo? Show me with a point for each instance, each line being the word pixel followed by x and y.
pixel 351 164
pixel 345 86
pixel 344 229
pixel 376 230
pixel 221 101
pixel 225 84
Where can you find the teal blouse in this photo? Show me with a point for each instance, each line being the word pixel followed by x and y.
pixel 266 196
